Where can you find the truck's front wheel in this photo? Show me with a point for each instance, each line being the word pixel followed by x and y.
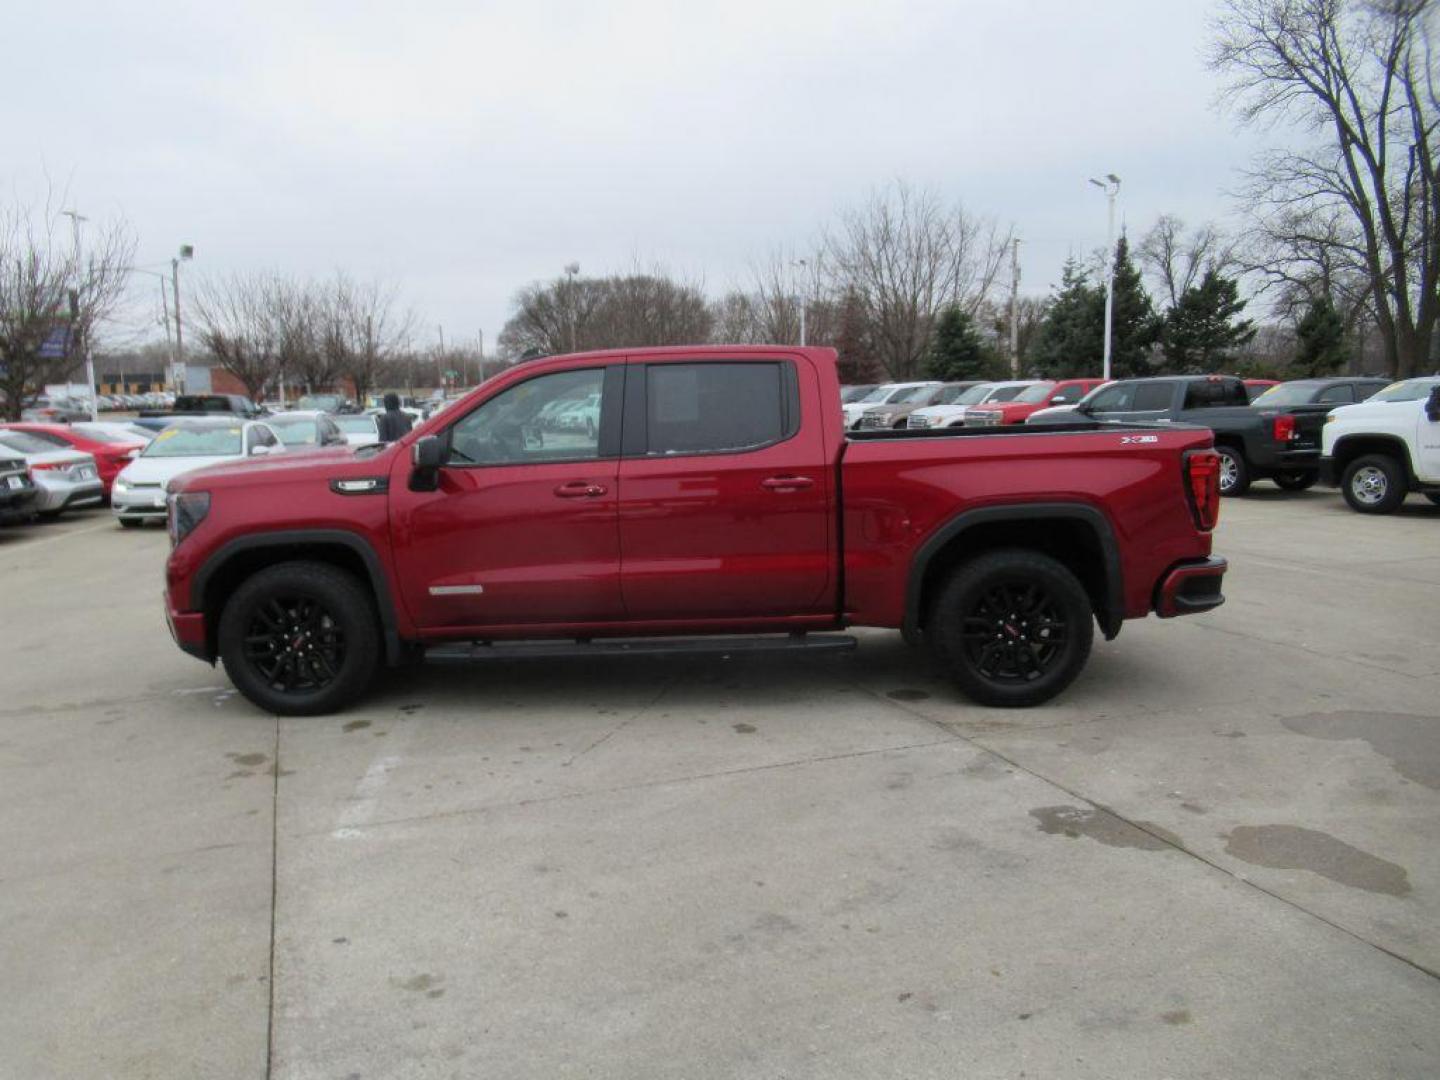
pixel 1012 627
pixel 300 638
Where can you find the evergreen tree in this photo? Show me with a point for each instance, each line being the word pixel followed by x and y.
pixel 1135 326
pixel 1070 340
pixel 1319 340
pixel 1204 327
pixel 956 351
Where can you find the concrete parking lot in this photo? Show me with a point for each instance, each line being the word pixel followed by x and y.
pixel 1218 855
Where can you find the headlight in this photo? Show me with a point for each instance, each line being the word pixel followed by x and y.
pixel 185 511
pixel 1329 418
pixel 119 487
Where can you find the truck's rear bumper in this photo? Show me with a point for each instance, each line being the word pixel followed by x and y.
pixel 1191 587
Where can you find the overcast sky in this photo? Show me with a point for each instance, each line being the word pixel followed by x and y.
pixel 463 150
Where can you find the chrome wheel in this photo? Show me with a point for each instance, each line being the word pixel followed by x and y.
pixel 1369 485
pixel 1229 473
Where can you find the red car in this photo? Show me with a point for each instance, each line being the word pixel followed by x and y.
pixel 718 494
pixel 1030 400
pixel 112 452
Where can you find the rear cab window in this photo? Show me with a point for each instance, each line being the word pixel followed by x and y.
pixel 1212 393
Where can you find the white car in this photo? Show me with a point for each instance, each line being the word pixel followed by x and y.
pixel 1385 447
pixel 953 415
pixel 64 479
pixel 301 429
pixel 359 430
pixel 883 394
pixel 139 491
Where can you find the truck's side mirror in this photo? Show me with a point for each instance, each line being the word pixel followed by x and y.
pixel 427 455
pixel 1432 406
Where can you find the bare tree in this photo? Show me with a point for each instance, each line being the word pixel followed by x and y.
pixel 239 326
pixel 300 312
pixel 904 257
pixel 1179 260
pixel 365 329
pixel 46 285
pixel 636 309
pixel 1361 75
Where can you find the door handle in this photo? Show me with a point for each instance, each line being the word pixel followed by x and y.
pixel 580 489
pixel 787 483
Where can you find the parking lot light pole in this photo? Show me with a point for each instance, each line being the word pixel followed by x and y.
pixel 571 269
pixel 76 218
pixel 1111 186
pixel 187 252
pixel 800 264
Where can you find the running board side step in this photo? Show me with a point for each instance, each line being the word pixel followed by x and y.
pixel 471 652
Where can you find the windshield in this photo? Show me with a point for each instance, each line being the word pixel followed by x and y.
pixel 104 435
pixel 877 395
pixel 1409 390
pixel 951 394
pixel 1295 393
pixel 296 431
pixel 26 443
pixel 1034 395
pixel 975 394
pixel 320 402
pixel 215 441
pixel 919 393
pixel 852 394
pixel 356 425
pixel 1005 393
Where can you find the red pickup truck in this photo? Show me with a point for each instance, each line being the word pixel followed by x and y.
pixel 716 492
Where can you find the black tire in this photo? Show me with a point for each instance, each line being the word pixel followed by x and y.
pixel 130 523
pixel 1373 484
pixel 1296 481
pixel 1000 593
pixel 300 638
pixel 1234 473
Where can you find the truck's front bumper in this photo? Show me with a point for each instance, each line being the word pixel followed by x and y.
pixel 187 629
pixel 1191 587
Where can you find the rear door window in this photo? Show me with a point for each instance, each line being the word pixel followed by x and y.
pixel 1152 397
pixel 717 408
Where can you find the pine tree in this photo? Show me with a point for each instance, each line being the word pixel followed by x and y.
pixel 1204 327
pixel 1135 327
pixel 1071 337
pixel 1319 340
pixel 956 351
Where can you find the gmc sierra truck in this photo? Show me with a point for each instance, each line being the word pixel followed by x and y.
pixel 718 504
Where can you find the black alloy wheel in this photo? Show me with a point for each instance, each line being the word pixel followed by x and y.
pixel 300 638
pixel 1012 627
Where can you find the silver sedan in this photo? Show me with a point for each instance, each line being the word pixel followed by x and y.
pixel 64 479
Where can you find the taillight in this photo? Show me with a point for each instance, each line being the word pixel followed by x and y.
pixel 48 466
pixel 1284 428
pixel 1202 472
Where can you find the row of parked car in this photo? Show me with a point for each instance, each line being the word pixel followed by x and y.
pixel 1376 440
pixel 59 409
pixel 48 468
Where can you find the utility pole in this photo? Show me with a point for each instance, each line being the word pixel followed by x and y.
pixel 75 322
pixel 1111 186
pixel 440 361
pixel 803 301
pixel 1015 308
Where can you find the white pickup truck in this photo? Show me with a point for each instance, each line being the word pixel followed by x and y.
pixel 1385 447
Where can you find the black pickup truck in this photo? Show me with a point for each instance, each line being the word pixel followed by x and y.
pixel 1255 442
pixel 208 405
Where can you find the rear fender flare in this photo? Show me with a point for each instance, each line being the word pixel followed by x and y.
pixel 1110 612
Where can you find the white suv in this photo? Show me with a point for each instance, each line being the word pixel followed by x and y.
pixel 1385 447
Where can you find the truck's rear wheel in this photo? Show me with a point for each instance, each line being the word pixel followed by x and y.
pixel 1011 627
pixel 1373 484
pixel 300 638
pixel 1234 473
